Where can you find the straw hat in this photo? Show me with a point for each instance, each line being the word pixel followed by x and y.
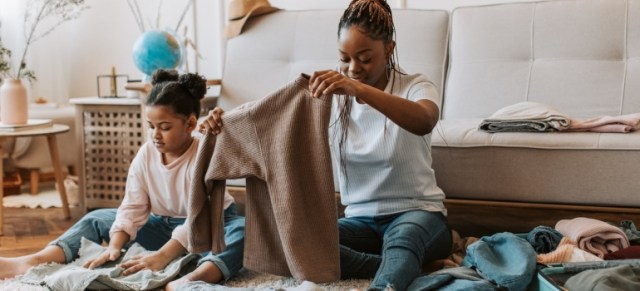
pixel 241 10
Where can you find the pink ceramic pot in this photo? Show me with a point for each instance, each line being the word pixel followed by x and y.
pixel 13 102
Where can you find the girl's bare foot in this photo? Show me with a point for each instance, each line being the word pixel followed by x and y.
pixel 11 267
pixel 174 285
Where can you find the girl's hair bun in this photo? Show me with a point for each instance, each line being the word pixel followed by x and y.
pixel 195 83
pixel 160 76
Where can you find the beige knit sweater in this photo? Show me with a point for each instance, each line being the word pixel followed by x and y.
pixel 280 145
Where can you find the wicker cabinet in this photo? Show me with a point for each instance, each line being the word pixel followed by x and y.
pixel 110 132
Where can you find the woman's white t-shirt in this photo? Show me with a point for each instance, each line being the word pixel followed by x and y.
pixel 388 169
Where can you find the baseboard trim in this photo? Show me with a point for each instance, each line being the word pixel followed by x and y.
pixel 555 206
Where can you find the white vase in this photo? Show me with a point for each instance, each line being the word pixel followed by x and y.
pixel 13 102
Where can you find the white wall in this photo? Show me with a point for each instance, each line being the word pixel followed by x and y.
pixel 68 60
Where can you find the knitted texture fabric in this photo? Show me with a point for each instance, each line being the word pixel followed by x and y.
pixel 280 145
pixel 592 235
pixel 561 254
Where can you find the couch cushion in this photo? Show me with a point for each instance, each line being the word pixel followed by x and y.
pixel 464 133
pixel 580 57
pixel 275 48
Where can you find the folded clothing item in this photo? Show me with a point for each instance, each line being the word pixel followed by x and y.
pixel 567 251
pixel 622 123
pixel 537 117
pixel 592 235
pixel 526 117
pixel 544 239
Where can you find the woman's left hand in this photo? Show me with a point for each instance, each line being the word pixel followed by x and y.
pixel 332 82
pixel 153 261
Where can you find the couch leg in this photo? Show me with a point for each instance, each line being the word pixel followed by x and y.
pixel 33 179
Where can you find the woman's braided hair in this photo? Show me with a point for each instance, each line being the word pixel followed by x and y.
pixel 375 20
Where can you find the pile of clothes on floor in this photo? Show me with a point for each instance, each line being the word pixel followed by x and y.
pixel 510 261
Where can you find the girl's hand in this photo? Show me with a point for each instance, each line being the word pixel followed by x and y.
pixel 110 254
pixel 153 261
pixel 332 82
pixel 213 122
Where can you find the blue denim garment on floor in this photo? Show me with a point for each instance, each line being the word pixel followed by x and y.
pixel 504 259
pixel 544 239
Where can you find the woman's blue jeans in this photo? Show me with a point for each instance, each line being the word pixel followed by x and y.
pixel 95 227
pixel 392 248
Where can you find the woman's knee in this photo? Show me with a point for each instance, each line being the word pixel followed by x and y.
pixel 421 232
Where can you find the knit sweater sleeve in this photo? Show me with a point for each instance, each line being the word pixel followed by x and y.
pixel 199 206
pixel 233 153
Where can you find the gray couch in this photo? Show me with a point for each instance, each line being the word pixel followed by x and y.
pixel 582 57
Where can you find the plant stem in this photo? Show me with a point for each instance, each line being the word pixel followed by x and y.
pixel 186 8
pixel 30 36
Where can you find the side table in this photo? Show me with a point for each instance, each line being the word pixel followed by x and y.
pixel 50 133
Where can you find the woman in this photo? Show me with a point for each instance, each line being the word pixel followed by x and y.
pixel 381 139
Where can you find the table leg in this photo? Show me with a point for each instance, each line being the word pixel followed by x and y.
pixel 57 169
pixel 1 190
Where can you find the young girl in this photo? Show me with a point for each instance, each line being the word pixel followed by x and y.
pixel 395 216
pixel 155 203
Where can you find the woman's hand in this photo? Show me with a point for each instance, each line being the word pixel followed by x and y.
pixel 213 122
pixel 154 261
pixel 109 254
pixel 332 82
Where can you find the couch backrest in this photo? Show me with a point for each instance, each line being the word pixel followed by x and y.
pixel 581 57
pixel 275 48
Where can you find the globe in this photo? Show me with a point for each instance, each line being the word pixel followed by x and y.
pixel 156 49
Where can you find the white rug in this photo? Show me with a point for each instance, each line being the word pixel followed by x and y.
pixel 44 199
pixel 249 279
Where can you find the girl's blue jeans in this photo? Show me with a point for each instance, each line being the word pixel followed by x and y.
pixel 392 248
pixel 154 234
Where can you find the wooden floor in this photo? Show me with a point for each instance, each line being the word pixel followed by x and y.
pixel 28 230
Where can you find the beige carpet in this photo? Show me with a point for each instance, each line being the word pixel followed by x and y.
pixel 245 279
pixel 250 279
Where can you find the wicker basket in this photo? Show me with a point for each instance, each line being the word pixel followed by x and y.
pixel 11 184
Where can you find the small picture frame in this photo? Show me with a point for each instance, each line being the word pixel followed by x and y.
pixel 112 86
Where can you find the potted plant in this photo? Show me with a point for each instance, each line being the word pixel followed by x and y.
pixel 13 96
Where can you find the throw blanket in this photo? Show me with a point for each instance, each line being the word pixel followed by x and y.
pixel 280 145
pixel 592 235
pixel 526 117
pixel 73 276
